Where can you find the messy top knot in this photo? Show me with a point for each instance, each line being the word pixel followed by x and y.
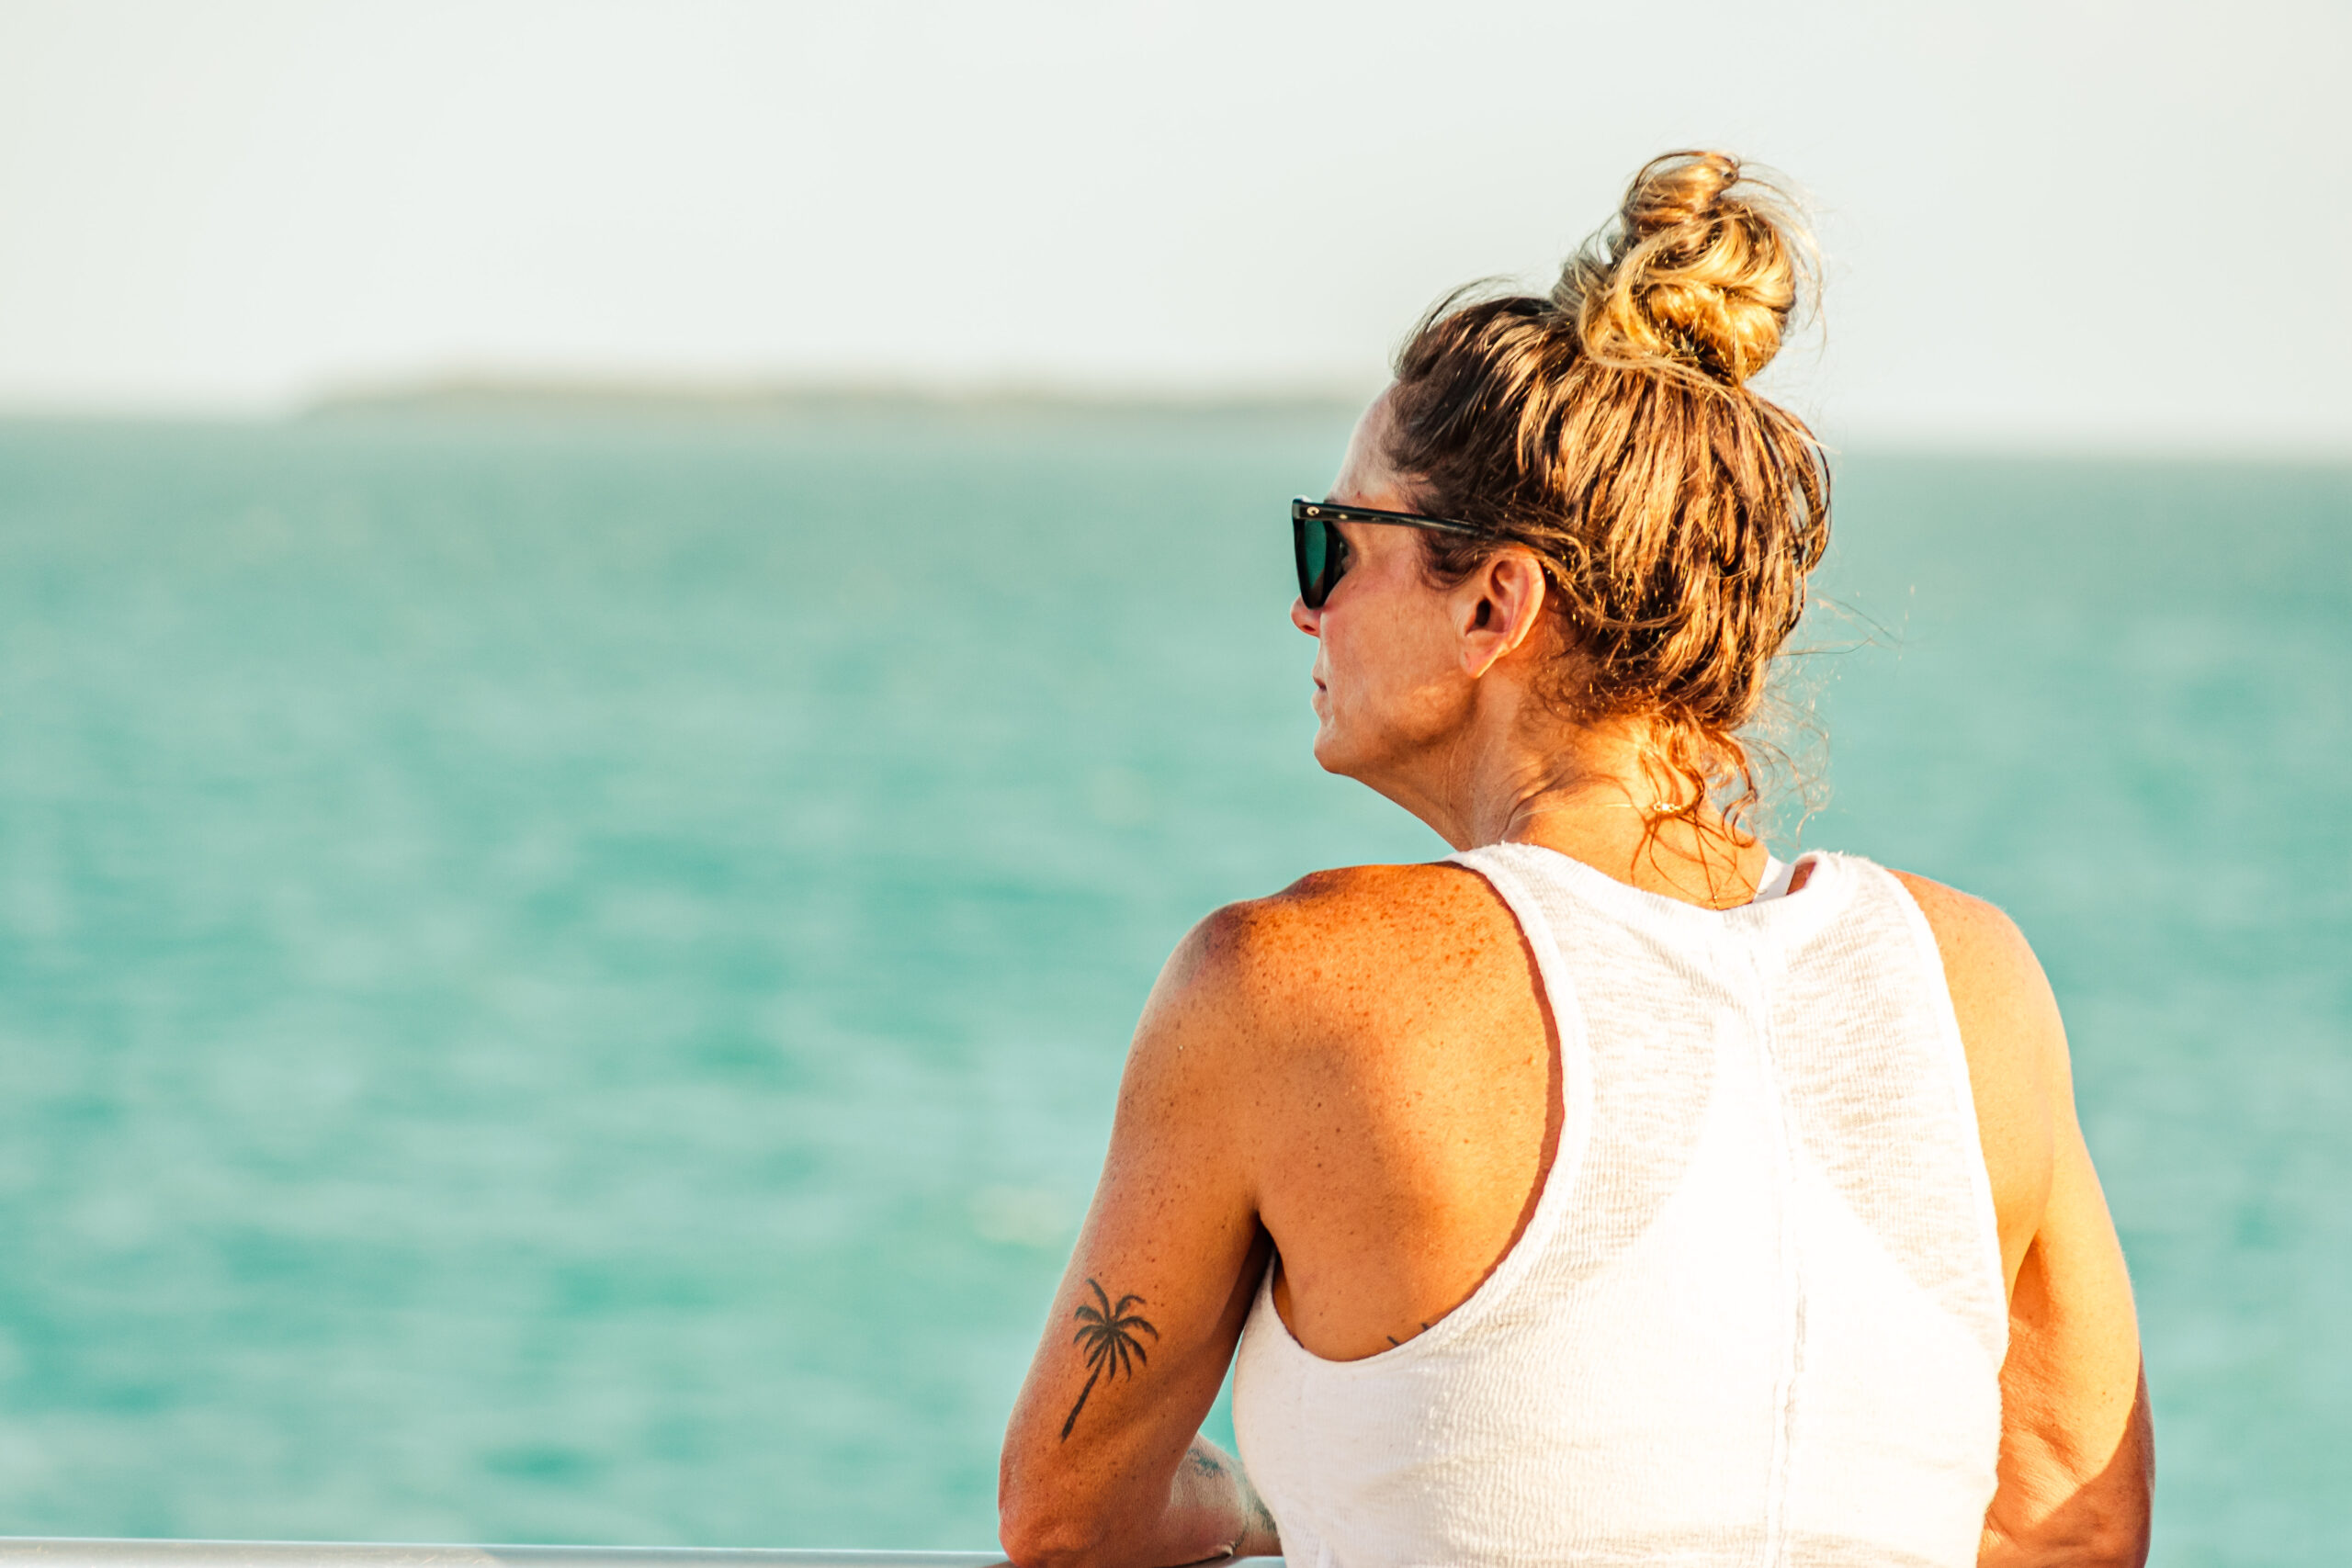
pixel 1608 428
pixel 1699 268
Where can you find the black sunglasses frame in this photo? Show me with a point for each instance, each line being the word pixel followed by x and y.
pixel 1313 519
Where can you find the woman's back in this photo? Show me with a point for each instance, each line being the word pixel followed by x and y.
pixel 1757 1313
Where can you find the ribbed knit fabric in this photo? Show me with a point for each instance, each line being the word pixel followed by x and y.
pixel 1758 1315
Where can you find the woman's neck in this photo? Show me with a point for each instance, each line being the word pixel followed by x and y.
pixel 1601 795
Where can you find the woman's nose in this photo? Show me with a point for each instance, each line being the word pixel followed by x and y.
pixel 1305 620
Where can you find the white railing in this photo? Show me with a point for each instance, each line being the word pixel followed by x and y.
pixel 68 1551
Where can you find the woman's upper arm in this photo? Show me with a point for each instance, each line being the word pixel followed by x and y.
pixel 1144 1325
pixel 2077 1448
pixel 2077 1452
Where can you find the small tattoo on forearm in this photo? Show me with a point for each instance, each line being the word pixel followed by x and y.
pixel 1108 1331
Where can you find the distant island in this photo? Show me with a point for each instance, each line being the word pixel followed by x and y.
pixel 558 395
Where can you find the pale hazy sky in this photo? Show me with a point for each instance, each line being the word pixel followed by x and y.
pixel 2050 222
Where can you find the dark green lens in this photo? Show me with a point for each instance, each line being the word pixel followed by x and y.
pixel 1322 553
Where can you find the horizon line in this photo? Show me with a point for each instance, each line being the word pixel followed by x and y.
pixel 524 394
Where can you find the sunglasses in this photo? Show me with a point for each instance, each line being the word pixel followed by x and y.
pixel 1323 554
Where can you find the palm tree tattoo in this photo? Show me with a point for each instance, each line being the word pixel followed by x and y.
pixel 1107 1329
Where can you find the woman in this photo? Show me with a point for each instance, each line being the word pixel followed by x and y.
pixel 1608 1192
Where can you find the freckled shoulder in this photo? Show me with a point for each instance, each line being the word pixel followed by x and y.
pixel 1349 941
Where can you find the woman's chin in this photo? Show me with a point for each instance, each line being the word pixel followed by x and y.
pixel 1332 752
pixel 1323 748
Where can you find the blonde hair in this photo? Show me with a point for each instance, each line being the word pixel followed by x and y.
pixel 1608 427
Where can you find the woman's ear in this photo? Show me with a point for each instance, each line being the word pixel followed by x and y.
pixel 1496 609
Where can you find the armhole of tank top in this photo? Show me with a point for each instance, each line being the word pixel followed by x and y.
pixel 1988 1219
pixel 1568 1159
pixel 1575 1114
pixel 1567 1011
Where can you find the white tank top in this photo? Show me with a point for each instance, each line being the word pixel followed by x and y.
pixel 1757 1317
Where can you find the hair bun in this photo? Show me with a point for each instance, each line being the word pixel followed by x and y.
pixel 1699 272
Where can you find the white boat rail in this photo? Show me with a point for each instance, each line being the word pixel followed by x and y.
pixel 73 1551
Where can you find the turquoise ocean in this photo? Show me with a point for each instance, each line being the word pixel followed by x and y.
pixel 563 978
